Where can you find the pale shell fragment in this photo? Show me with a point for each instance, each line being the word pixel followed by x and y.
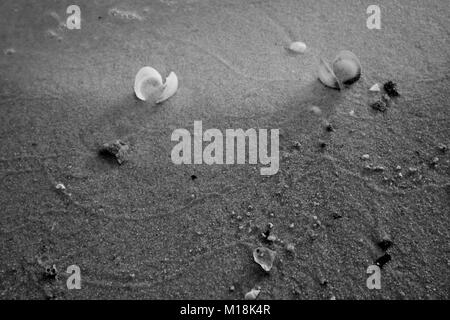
pixel 148 83
pixel 375 88
pixel 170 87
pixel 327 76
pixel 264 257
pixel 60 186
pixel 298 47
pixel 252 294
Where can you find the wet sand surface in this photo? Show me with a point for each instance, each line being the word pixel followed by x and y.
pixel 146 229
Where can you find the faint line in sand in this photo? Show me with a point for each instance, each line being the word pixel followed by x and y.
pixel 173 276
pixel 224 62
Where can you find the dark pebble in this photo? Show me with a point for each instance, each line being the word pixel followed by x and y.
pixel 391 89
pixel 381 261
pixel 379 105
pixel 385 244
pixel 116 149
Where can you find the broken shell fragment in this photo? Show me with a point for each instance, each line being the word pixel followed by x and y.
pixel 264 257
pixel 170 87
pixel 327 76
pixel 375 88
pixel 298 47
pixel 252 294
pixel 148 83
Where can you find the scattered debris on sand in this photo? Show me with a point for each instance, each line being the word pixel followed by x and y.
pixel 117 149
pixel 264 257
pixel 434 162
pixel 391 89
pixel 252 294
pixel 124 14
pixel 374 168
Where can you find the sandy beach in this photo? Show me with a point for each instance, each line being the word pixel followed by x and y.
pixel 149 229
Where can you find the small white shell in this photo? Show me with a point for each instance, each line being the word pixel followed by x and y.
pixel 252 294
pixel 375 88
pixel 298 47
pixel 148 83
pixel 170 87
pixel 327 76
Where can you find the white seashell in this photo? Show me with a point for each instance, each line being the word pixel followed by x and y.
pixel 375 87
pixel 346 67
pixel 148 83
pixel 170 87
pixel 327 76
pixel 298 47
pixel 252 294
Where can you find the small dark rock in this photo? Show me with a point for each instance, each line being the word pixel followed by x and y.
pixel 193 177
pixel 379 105
pixel 322 144
pixel 442 147
pixel 117 149
pixel 296 145
pixel 434 162
pixel 328 126
pixel 381 261
pixel 391 89
pixel 50 272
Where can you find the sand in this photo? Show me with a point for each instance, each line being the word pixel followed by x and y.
pixel 146 229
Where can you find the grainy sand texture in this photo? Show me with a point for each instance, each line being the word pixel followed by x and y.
pixel 151 229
